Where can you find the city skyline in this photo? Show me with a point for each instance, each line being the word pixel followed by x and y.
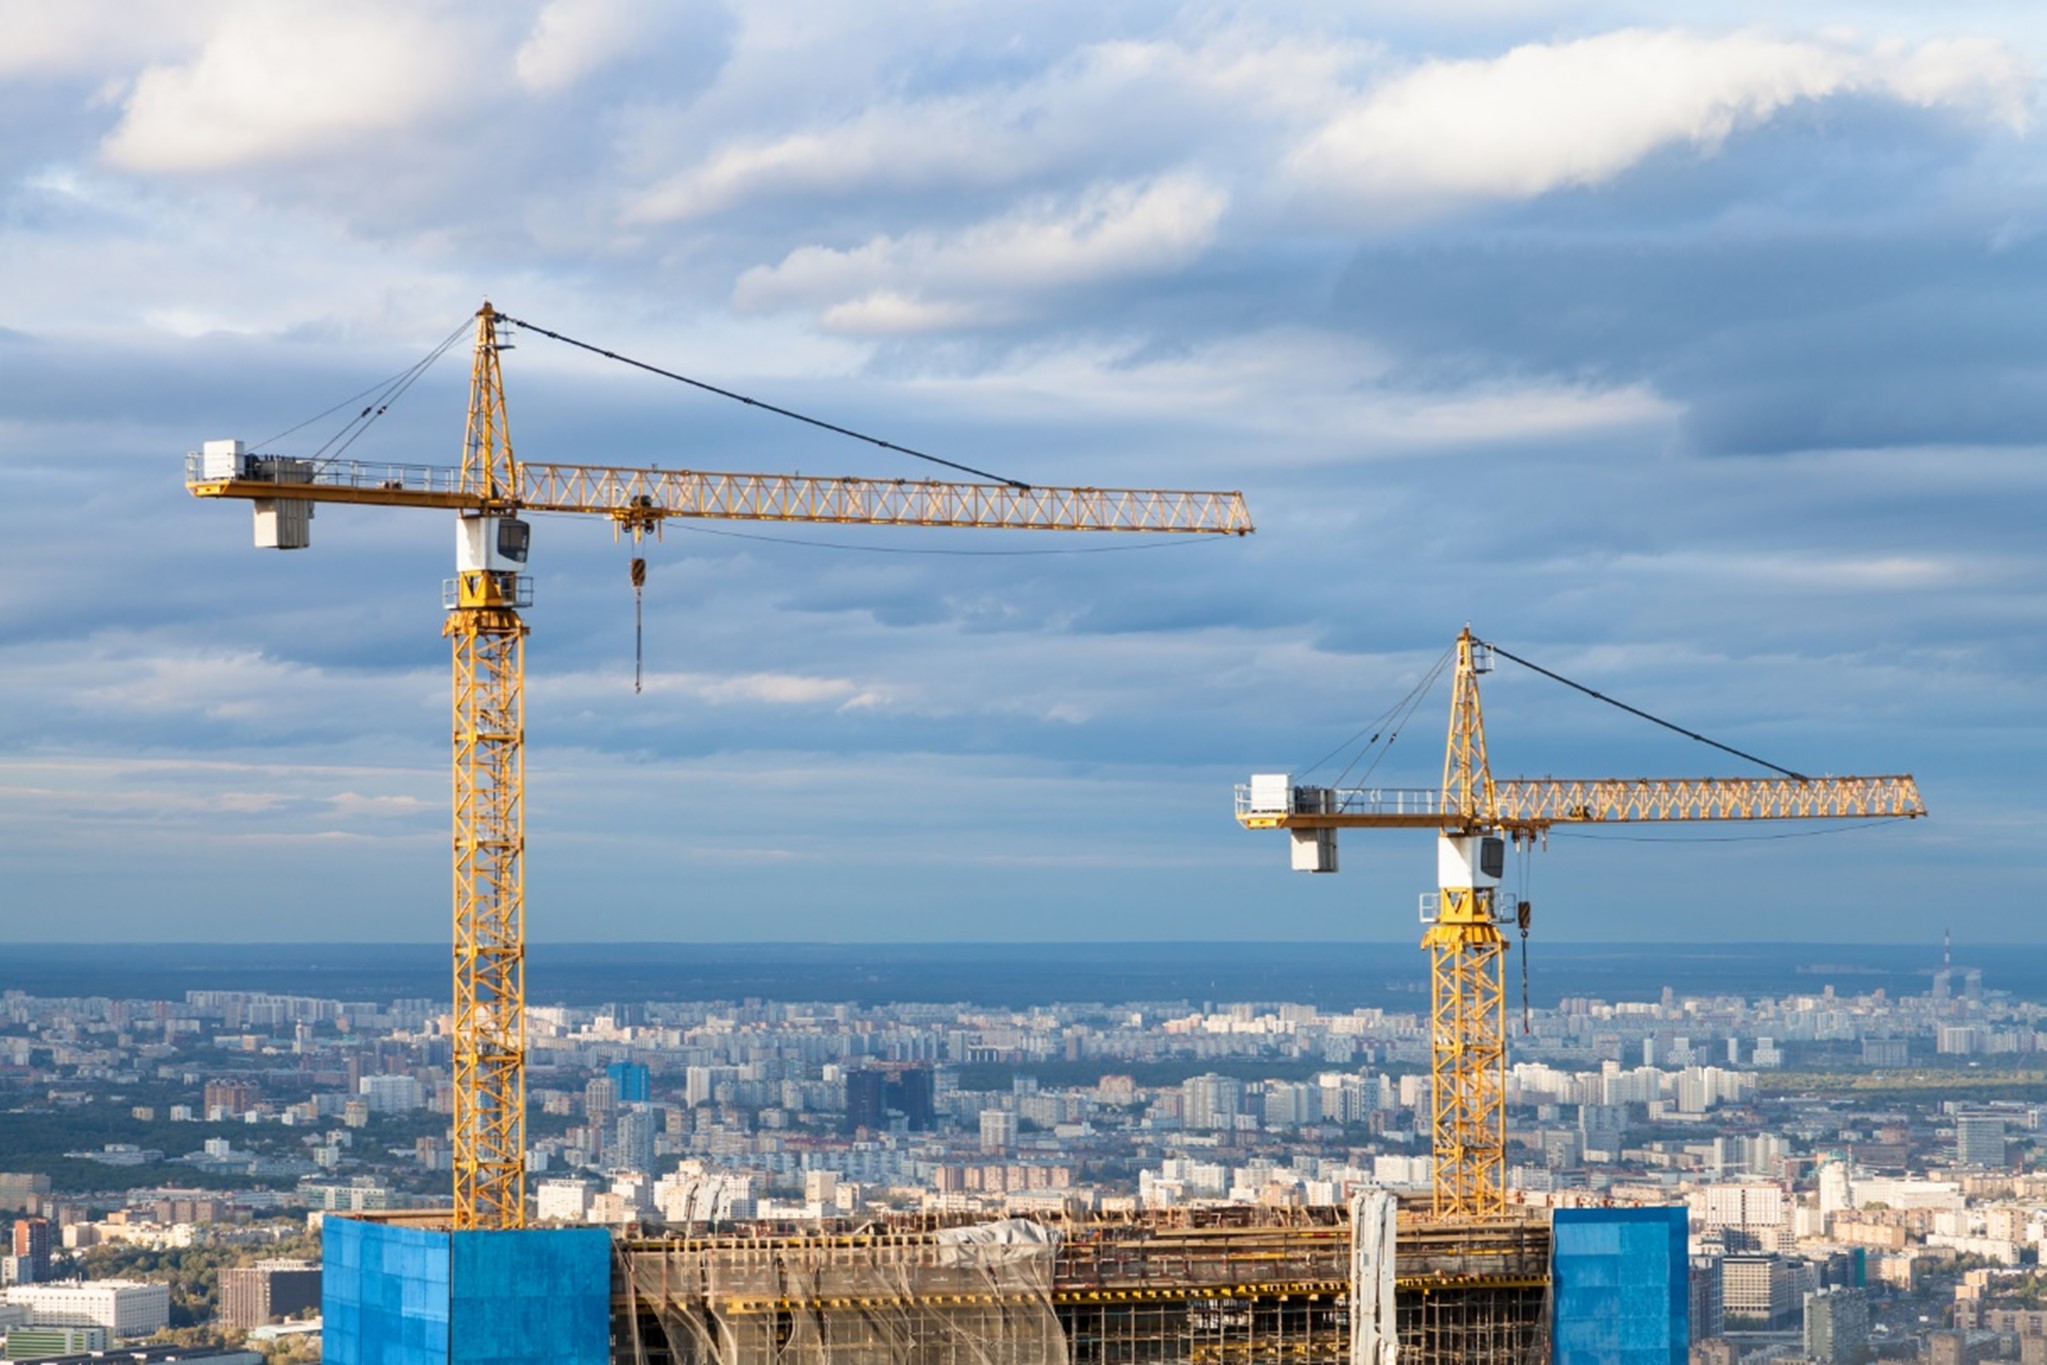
pixel 1710 386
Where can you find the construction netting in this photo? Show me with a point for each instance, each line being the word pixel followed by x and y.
pixel 979 1295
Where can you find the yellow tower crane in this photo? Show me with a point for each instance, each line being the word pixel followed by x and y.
pixel 1474 815
pixel 487 494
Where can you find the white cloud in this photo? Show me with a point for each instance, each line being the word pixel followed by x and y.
pixel 1969 72
pixel 93 37
pixel 777 689
pixel 716 689
pixel 1878 573
pixel 1549 115
pixel 990 272
pixel 573 38
pixel 1106 104
pixel 278 81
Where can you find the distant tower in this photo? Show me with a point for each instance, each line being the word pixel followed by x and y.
pixel 866 1101
pixel 1947 950
pixel 630 1082
pixel 32 1244
pixel 634 1148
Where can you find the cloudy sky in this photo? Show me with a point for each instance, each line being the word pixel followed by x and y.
pixel 1690 352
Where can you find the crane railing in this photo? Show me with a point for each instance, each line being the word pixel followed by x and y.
pixel 646 496
pixel 1537 803
pixel 1310 807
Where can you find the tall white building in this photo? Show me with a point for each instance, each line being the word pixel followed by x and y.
pixel 1211 1103
pixel 1289 1104
pixel 1763 1290
pixel 1834 1196
pixel 126 1308
pixel 392 1094
pixel 634 1148
pixel 1752 1215
pixel 998 1130
pixel 563 1200
pixel 693 1193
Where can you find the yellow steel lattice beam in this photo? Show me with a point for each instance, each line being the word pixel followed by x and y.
pixel 490 472
pixel 489 835
pixel 489 909
pixel 648 496
pixel 1532 804
pixel 1467 1055
pixel 1467 775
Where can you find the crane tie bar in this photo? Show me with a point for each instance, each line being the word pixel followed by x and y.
pixel 765 407
pixel 1658 720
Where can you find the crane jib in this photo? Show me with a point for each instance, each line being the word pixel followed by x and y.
pixel 658 493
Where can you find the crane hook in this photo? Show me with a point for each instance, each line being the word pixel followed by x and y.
pixel 639 574
pixel 1524 914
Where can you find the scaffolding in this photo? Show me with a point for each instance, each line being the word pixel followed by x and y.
pixel 1232 1285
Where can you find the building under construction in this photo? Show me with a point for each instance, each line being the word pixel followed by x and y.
pixel 1224 1284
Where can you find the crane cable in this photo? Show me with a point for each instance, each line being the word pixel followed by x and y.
pixel 381 394
pixel 1636 711
pixel 1406 708
pixel 1524 915
pixel 1395 716
pixel 763 406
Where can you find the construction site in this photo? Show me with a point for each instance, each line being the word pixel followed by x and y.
pixel 1465 1276
pixel 1240 1284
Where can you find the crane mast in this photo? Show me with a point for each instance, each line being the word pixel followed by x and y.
pixel 487 641
pixel 1475 815
pixel 1467 997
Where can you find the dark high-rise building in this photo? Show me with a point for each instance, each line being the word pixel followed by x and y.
pixel 875 1094
pixel 32 1240
pixel 909 1094
pixel 865 1106
pixel 1708 1318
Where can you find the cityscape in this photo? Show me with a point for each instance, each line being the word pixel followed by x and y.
pixel 667 668
pixel 1856 1165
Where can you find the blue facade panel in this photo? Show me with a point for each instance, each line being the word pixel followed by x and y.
pixel 1620 1287
pixel 383 1293
pixel 411 1296
pixel 541 1295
